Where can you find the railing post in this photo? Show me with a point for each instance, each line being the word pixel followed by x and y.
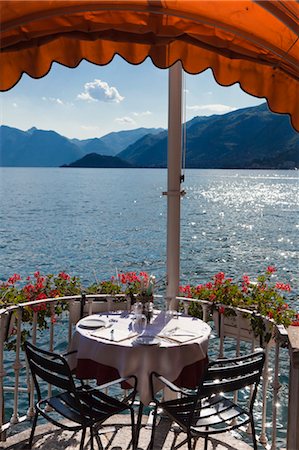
pixel 293 406
pixel 30 386
pixel 205 312
pixel 3 318
pixel 221 334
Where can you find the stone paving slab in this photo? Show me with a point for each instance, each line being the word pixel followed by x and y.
pixel 48 437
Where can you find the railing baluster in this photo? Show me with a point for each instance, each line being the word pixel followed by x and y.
pixel 263 436
pixel 276 386
pixel 70 325
pixel 3 318
pixel 221 334
pixel 128 299
pixel 239 316
pixel 34 327
pixel 186 307
pixel 31 409
pixel 17 367
pixel 90 305
pixel 51 346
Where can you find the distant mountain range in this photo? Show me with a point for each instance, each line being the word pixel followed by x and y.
pixel 39 148
pixel 246 138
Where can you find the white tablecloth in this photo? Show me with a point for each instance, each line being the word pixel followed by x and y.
pixel 167 359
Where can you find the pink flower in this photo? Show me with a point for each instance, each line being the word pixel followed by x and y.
pixel 64 276
pixel 12 280
pixel 36 274
pixel 271 269
pixel 221 310
pixel 295 322
pixel 283 287
pixel 246 279
pixel 219 278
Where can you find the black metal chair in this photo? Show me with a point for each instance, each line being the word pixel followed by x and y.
pixel 206 411
pixel 83 406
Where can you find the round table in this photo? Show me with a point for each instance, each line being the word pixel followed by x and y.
pixel 113 351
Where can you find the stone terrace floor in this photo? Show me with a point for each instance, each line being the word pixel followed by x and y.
pixel 50 438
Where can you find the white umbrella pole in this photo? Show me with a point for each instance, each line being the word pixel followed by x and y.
pixel 174 181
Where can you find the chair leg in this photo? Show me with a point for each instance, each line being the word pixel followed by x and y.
pixel 32 430
pixel 134 434
pixel 151 445
pixel 91 439
pixel 82 438
pixel 189 440
pixel 253 433
pixel 206 442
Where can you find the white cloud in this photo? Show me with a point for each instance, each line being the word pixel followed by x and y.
pixel 100 91
pixel 142 114
pixel 56 100
pixel 126 120
pixel 211 109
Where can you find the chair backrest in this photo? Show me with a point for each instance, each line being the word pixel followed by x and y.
pixel 50 367
pixel 228 375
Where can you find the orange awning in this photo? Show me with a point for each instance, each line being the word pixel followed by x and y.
pixel 254 43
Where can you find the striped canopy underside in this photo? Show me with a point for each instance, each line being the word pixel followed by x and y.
pixel 253 43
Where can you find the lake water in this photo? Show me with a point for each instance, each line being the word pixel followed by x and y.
pixel 89 222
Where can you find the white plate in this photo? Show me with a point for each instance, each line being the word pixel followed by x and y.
pixel 146 340
pixel 91 323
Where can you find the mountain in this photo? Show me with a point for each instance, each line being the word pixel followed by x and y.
pixel 95 160
pixel 39 148
pixel 35 148
pixel 149 151
pixel 246 138
pixel 119 140
pixel 95 145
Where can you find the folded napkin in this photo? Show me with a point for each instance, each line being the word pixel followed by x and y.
pixel 113 334
pixel 179 335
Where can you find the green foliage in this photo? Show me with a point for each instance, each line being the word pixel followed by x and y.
pixel 38 288
pixel 263 297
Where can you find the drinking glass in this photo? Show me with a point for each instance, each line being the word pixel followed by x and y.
pixel 139 323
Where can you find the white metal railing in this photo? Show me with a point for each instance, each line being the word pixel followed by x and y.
pixel 89 304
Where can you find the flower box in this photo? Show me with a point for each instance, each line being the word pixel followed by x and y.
pixel 7 321
pixel 230 328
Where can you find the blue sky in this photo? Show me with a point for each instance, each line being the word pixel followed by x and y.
pixel 91 101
